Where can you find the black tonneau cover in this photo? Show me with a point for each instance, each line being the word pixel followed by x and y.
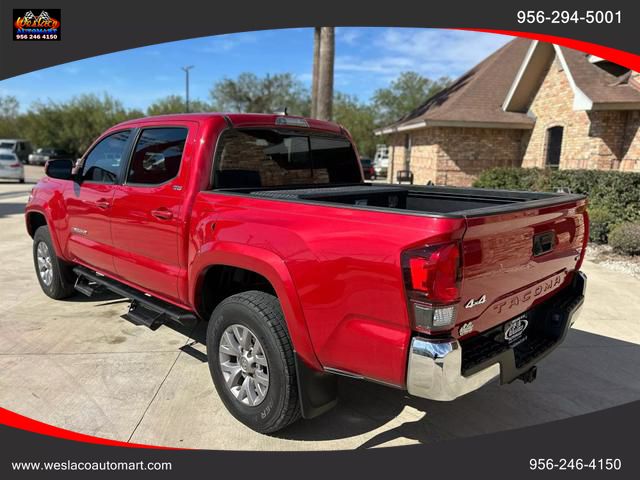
pixel 436 200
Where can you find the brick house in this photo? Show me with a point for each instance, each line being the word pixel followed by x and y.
pixel 529 104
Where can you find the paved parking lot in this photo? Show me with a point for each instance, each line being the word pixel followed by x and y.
pixel 76 364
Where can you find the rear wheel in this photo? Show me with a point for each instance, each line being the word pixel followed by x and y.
pixel 251 361
pixel 54 276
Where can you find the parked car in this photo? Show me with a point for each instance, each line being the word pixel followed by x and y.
pixel 381 161
pixel 22 148
pixel 42 155
pixel 367 168
pixel 263 226
pixel 10 166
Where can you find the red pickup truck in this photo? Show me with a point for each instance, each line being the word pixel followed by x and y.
pixel 263 226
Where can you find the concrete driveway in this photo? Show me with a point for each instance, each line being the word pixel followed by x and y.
pixel 76 364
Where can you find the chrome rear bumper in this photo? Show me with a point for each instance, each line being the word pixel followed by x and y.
pixel 435 371
pixel 435 365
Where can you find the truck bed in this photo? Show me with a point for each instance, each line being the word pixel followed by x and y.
pixel 431 200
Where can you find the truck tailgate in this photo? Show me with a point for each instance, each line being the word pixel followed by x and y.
pixel 513 261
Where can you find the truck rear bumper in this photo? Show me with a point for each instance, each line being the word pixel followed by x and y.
pixel 445 369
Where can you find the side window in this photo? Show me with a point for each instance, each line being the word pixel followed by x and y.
pixel 156 158
pixel 104 161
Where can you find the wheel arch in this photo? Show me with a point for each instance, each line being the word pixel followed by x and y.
pixel 35 219
pixel 264 264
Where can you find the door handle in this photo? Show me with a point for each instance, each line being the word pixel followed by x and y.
pixel 103 203
pixel 162 213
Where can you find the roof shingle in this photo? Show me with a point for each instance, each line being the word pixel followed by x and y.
pixel 477 96
pixel 597 84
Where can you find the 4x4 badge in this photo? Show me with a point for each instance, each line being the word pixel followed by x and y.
pixel 472 303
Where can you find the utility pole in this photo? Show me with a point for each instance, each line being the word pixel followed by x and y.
pixel 186 71
pixel 325 79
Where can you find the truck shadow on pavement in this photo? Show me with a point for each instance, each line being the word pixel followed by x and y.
pixel 588 373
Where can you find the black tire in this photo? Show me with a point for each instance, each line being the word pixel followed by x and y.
pixel 261 313
pixel 62 278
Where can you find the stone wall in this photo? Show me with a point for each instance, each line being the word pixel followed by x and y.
pixel 465 152
pixel 590 139
pixel 455 156
pixel 631 146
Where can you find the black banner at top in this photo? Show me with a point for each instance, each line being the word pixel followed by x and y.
pixel 94 28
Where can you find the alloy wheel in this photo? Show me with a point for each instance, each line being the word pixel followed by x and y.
pixel 244 365
pixel 45 263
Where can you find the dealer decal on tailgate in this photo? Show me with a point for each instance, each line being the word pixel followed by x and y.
pixel 527 296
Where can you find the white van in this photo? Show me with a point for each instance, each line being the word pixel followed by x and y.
pixel 381 161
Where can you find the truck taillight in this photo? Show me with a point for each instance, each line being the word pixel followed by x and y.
pixel 432 279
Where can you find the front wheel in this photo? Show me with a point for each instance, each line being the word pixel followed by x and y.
pixel 252 362
pixel 54 275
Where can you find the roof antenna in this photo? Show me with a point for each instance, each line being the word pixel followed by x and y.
pixel 281 111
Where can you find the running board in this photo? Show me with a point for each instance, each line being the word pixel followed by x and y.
pixel 144 309
pixel 138 314
pixel 85 286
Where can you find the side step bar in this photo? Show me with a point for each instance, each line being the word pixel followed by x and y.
pixel 144 309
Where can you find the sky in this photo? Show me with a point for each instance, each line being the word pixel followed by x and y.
pixel 366 59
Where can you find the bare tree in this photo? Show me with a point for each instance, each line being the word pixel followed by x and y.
pixel 316 72
pixel 325 77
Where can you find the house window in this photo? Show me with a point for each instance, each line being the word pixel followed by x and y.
pixel 407 152
pixel 554 147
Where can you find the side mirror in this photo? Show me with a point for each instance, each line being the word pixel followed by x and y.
pixel 61 169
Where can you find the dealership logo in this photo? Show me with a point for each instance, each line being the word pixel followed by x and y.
pixel 465 329
pixel 37 24
pixel 515 328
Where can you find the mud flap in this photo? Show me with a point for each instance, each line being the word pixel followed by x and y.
pixel 318 390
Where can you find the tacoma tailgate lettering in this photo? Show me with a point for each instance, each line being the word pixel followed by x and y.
pixel 530 294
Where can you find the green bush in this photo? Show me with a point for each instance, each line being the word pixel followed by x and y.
pixel 614 197
pixel 625 238
pixel 601 222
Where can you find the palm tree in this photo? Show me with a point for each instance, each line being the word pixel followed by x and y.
pixel 316 71
pixel 322 87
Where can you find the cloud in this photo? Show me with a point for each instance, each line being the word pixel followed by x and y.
pixel 305 77
pixel 72 70
pixel 350 36
pixel 152 52
pixel 427 51
pixel 226 43
pixel 467 46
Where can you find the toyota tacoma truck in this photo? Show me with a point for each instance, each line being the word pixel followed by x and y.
pixel 262 226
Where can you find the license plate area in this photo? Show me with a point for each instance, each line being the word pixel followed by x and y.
pixel 513 332
pixel 548 323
